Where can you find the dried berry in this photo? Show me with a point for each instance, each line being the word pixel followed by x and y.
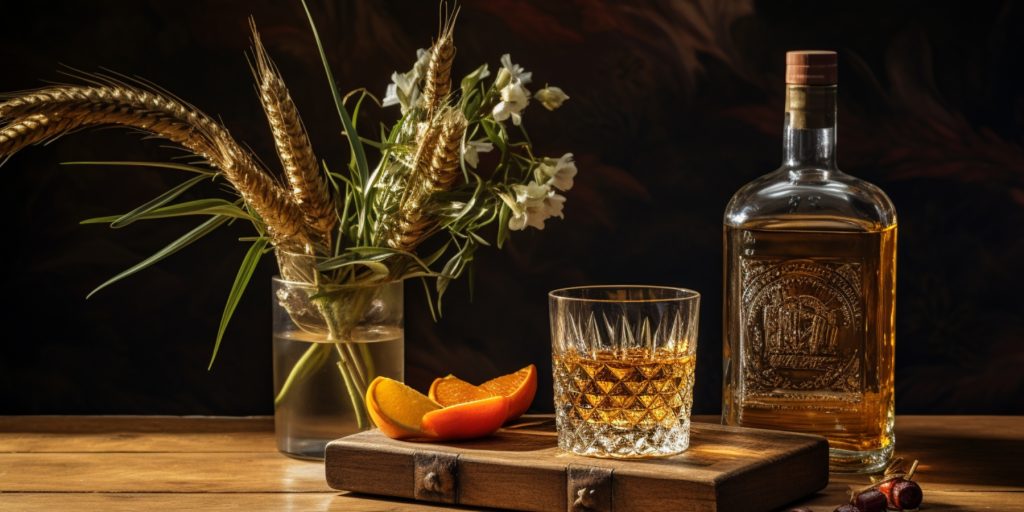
pixel 886 489
pixel 870 501
pixel 900 490
pixel 905 494
pixel 902 494
pixel 846 508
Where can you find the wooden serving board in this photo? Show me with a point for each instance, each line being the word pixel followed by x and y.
pixel 726 469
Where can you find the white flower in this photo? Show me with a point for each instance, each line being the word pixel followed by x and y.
pixel 535 203
pixel 532 194
pixel 476 76
pixel 401 91
pixel 554 204
pixel 404 87
pixel 532 217
pixel 551 97
pixel 517 71
pixel 517 222
pixel 529 209
pixel 559 173
pixel 422 61
pixel 391 94
pixel 514 98
pixel 473 150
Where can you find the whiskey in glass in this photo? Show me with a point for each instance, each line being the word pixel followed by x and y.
pixel 624 360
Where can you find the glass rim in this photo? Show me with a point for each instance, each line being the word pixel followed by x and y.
pixel 276 278
pixel 563 294
pixel 300 254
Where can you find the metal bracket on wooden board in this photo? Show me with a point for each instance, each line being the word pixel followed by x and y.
pixel 436 477
pixel 588 488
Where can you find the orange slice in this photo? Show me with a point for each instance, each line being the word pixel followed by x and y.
pixel 468 420
pixel 397 409
pixel 452 390
pixel 519 387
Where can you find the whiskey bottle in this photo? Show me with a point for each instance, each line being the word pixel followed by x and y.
pixel 810 288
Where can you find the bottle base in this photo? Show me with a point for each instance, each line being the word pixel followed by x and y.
pixel 859 462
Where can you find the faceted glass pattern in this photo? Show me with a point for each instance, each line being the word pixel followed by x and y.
pixel 624 360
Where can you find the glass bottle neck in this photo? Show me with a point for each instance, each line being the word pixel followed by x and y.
pixel 809 137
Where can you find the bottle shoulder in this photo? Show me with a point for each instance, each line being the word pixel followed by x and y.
pixel 833 199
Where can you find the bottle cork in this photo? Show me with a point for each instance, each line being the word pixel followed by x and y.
pixel 811 67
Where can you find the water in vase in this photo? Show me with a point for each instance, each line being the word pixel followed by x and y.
pixel 319 404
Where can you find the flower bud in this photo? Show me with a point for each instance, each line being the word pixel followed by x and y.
pixel 504 77
pixel 551 97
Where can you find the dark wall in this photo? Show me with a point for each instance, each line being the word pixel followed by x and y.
pixel 674 106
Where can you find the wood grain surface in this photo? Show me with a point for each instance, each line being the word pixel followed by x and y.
pixel 968 463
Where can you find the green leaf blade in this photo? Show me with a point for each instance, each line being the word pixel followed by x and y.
pixel 358 153
pixel 245 272
pixel 211 206
pixel 503 229
pixel 157 202
pixel 335 263
pixel 158 165
pixel 187 239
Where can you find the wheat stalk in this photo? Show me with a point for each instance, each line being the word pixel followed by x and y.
pixel 284 219
pixel 444 162
pixel 438 80
pixel 401 232
pixel 42 115
pixel 30 129
pixel 308 187
pixel 436 170
pixel 120 105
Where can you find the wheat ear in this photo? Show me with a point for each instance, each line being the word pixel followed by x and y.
pixel 438 80
pixel 42 115
pixel 30 129
pixel 436 170
pixel 308 187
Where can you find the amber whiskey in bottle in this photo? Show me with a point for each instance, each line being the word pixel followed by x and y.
pixel 810 288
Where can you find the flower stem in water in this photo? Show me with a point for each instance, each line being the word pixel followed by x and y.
pixel 355 393
pixel 310 361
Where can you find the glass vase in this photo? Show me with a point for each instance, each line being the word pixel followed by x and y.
pixel 330 341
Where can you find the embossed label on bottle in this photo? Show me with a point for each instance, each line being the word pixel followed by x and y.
pixel 802 323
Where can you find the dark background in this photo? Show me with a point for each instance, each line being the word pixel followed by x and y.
pixel 674 106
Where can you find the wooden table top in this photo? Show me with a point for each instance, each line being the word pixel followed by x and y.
pixel 968 463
